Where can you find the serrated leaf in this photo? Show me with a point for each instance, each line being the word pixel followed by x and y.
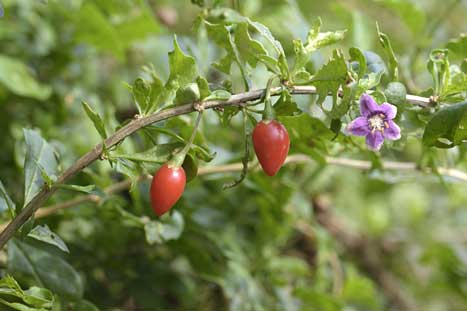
pixel 457 82
pixel 5 202
pixel 183 71
pixel 38 151
pixel 16 77
pixel 315 40
pixel 330 77
pixel 48 270
pixel 44 234
pixel 386 44
pixel 96 119
pixel 449 124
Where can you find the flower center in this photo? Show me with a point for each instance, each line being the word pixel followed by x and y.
pixel 377 122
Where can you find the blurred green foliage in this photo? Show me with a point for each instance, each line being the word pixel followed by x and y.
pixel 258 246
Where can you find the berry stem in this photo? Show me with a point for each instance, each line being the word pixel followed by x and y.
pixel 268 113
pixel 177 159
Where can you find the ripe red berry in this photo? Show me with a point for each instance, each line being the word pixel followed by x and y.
pixel 167 187
pixel 271 142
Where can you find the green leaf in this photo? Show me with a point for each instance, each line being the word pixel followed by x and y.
pixel 409 12
pixel 183 69
pixel 330 77
pixel 285 105
pixel 93 28
pixel 38 152
pixel 158 154
pixel 315 40
pixel 44 234
pixel 449 124
pixel 221 35
pixel 5 202
pixel 187 94
pixel 458 45
pixel 141 93
pixel 386 44
pixel 253 51
pixel 48 270
pixel 357 55
pixel 17 78
pixel 369 82
pixel 457 82
pixel 148 94
pixel 438 66
pixel 374 62
pixel 36 298
pixel 96 119
pixel 203 87
pixel 190 166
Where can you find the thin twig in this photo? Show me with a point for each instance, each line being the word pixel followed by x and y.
pixel 134 126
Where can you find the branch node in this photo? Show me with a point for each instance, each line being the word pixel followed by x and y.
pixel 198 106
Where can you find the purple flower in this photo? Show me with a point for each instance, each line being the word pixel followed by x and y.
pixel 375 122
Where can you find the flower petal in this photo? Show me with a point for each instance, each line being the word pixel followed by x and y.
pixel 375 140
pixel 359 127
pixel 389 110
pixel 367 105
pixel 393 132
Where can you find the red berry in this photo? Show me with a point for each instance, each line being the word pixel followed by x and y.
pixel 271 142
pixel 166 188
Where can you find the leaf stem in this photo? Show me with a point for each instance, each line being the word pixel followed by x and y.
pixel 177 160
